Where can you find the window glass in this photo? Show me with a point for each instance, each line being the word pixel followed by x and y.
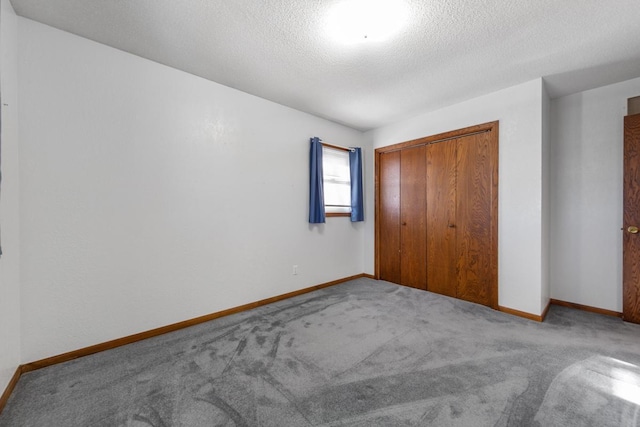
pixel 337 180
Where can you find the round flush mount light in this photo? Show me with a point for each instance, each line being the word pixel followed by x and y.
pixel 362 21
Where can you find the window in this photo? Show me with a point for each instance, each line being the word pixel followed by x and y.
pixel 336 181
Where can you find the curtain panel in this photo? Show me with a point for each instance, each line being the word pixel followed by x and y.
pixel 355 166
pixel 316 193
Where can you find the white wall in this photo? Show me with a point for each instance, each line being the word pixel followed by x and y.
pixel 151 196
pixel 9 199
pixel 519 110
pixel 546 198
pixel 586 196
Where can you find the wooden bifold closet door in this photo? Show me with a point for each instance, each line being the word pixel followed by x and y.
pixel 441 216
pixel 388 223
pixel 436 214
pixel 403 205
pixel 413 202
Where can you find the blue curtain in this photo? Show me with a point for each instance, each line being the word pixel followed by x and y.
pixel 316 193
pixel 355 164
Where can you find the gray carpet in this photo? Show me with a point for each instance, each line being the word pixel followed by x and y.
pixel 363 353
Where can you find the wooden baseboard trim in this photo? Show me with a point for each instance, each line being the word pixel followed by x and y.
pixel 546 311
pixel 71 355
pixel 522 313
pixel 12 384
pixel 369 276
pixel 586 308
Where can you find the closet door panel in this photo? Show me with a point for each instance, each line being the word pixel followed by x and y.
pixel 413 226
pixel 441 218
pixel 389 221
pixel 473 218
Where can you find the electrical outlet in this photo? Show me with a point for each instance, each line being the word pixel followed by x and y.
pixel 295 270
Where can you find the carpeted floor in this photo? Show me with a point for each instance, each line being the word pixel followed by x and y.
pixel 363 353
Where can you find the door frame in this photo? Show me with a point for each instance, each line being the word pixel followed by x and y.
pixel 492 127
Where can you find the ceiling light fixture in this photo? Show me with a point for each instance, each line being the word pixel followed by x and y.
pixel 360 21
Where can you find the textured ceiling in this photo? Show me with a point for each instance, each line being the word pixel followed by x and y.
pixel 449 51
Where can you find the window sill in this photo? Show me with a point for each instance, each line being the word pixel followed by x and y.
pixel 331 214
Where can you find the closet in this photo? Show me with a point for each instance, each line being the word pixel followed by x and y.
pixel 437 212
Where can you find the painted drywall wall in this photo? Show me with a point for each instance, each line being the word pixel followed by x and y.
pixel 519 110
pixel 546 198
pixel 9 198
pixel 586 196
pixel 151 196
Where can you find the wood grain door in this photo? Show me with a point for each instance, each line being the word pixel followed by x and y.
pixel 441 218
pixel 413 224
pixel 631 221
pixel 437 213
pixel 474 223
pixel 389 216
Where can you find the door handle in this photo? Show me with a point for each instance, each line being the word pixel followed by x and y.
pixel 633 229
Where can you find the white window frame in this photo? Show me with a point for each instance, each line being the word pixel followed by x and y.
pixel 344 179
